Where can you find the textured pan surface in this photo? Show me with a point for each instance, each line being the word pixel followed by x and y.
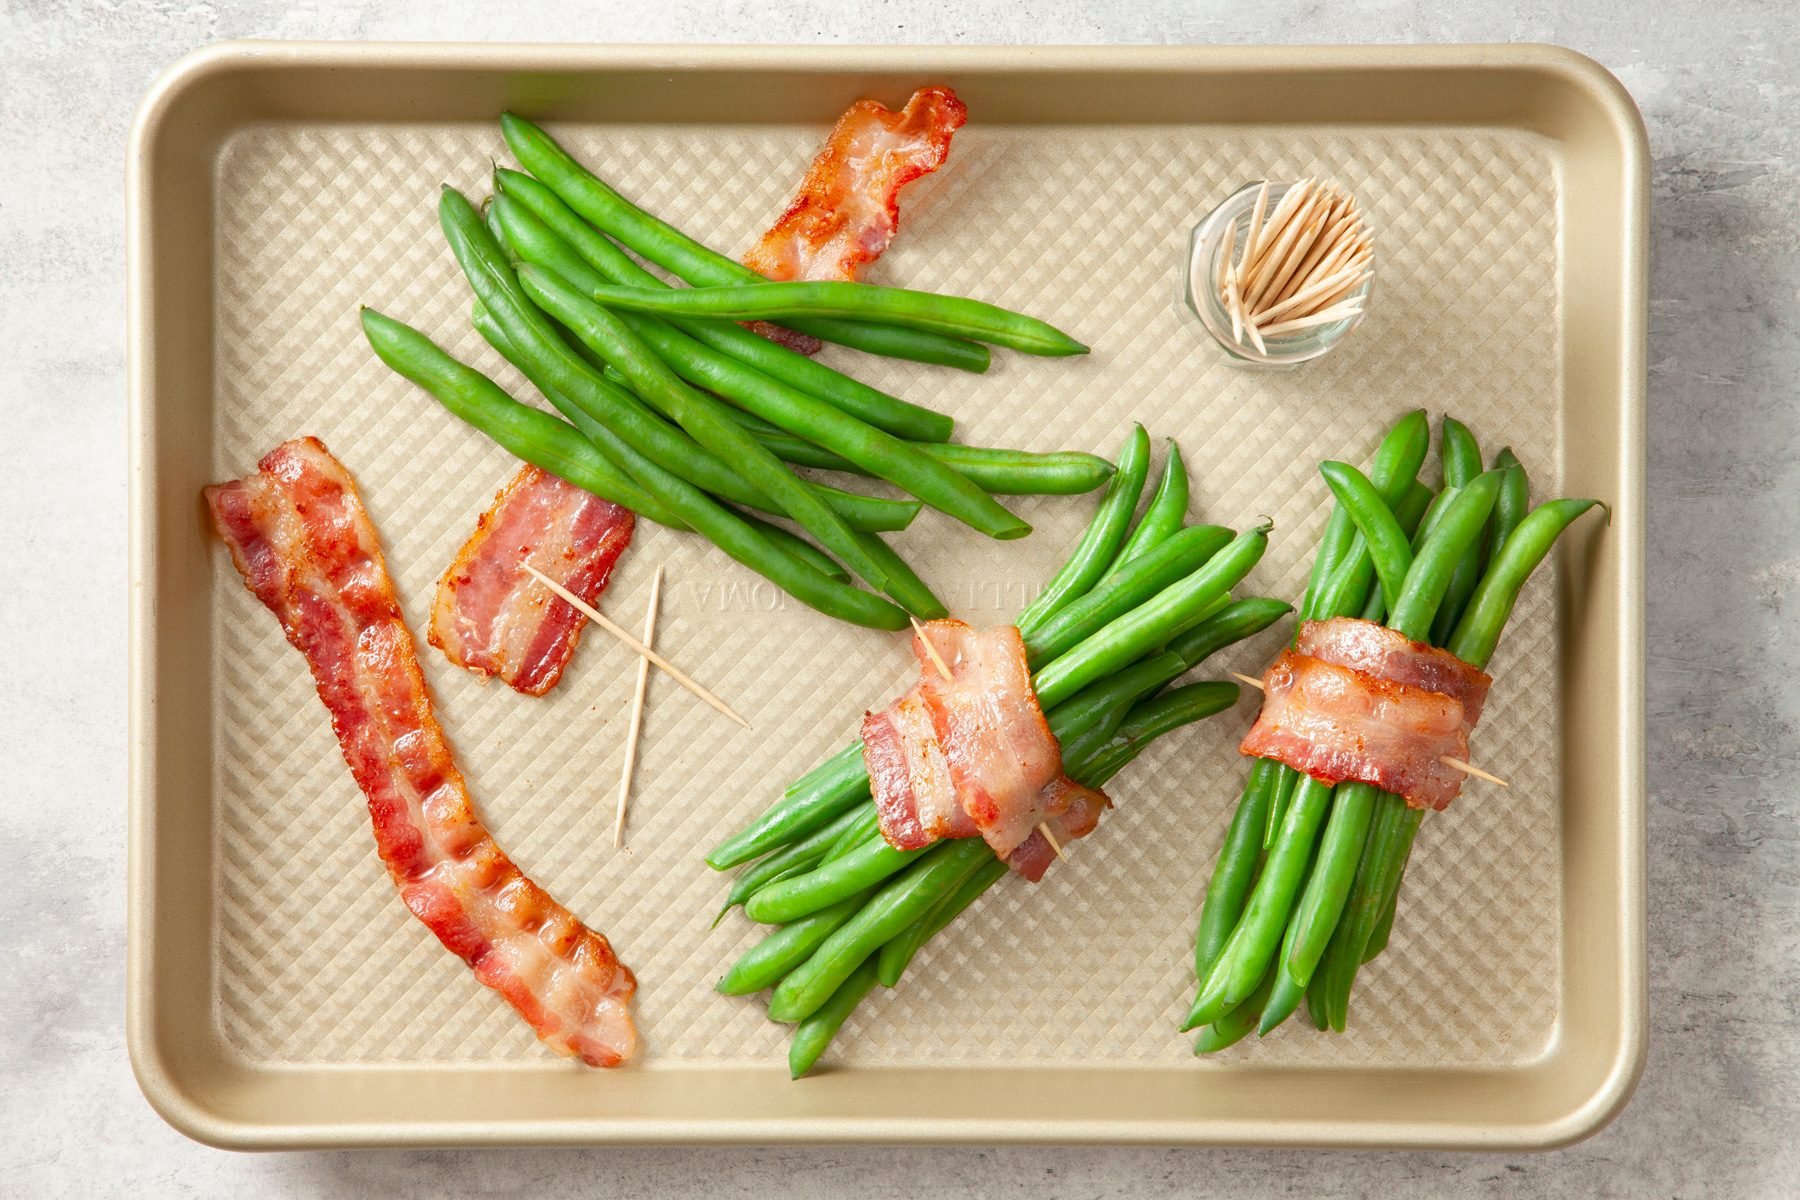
pixel 314 965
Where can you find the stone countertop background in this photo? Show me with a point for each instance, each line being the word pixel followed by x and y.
pixel 1717 1114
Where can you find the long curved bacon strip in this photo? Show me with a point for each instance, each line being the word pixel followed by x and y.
pixel 492 617
pixel 1353 700
pixel 300 537
pixel 848 207
pixel 972 755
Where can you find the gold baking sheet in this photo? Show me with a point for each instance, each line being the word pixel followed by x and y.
pixel 279 992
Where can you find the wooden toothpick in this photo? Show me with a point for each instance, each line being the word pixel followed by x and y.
pixel 637 710
pixel 931 651
pixel 607 623
pixel 1471 769
pixel 1455 764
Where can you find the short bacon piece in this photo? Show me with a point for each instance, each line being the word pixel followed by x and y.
pixel 1354 700
pixel 495 619
pixel 300 537
pixel 848 207
pixel 972 755
pixel 1071 811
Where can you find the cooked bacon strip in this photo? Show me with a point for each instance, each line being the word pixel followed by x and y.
pixel 305 547
pixel 915 796
pixel 1355 701
pixel 1000 750
pixel 1379 651
pixel 495 619
pixel 972 755
pixel 848 207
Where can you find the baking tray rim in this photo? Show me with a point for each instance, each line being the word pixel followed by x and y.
pixel 161 1081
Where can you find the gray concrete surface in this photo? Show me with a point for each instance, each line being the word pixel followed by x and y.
pixel 1719 82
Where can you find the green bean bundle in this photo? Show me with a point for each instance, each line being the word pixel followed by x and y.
pixel 1106 646
pixel 1290 916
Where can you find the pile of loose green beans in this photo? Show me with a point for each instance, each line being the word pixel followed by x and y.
pixel 672 409
pixel 1131 611
pixel 1308 880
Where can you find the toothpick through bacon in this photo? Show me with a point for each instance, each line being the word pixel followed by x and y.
pixel 966 752
pixel 491 617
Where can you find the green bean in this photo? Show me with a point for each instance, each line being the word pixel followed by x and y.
pixel 1328 884
pixel 1168 614
pixel 526 432
pixel 814 1033
pixel 1393 470
pixel 863 866
pixel 891 910
pixel 866 825
pixel 1377 876
pixel 1236 869
pixel 1233 623
pixel 653 380
pixel 802 855
pixel 1384 924
pixel 789 408
pixel 1231 1027
pixel 1339 595
pixel 705 469
pixel 1088 742
pixel 1463 520
pixel 905 587
pixel 764 964
pixel 897 954
pixel 1315 1002
pixel 837 784
pixel 1462 463
pixel 1150 719
pixel 1385 541
pixel 1417 515
pixel 1178 556
pixel 1094 704
pixel 1478 632
pixel 998 472
pixel 1285 995
pixel 1293 807
pixel 1163 516
pixel 1514 502
pixel 1006 472
pixel 1287 782
pixel 808 554
pixel 1350 588
pixel 932 312
pixel 1147 720
pixel 1101 540
pixel 542 348
pixel 876 407
pixel 669 248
